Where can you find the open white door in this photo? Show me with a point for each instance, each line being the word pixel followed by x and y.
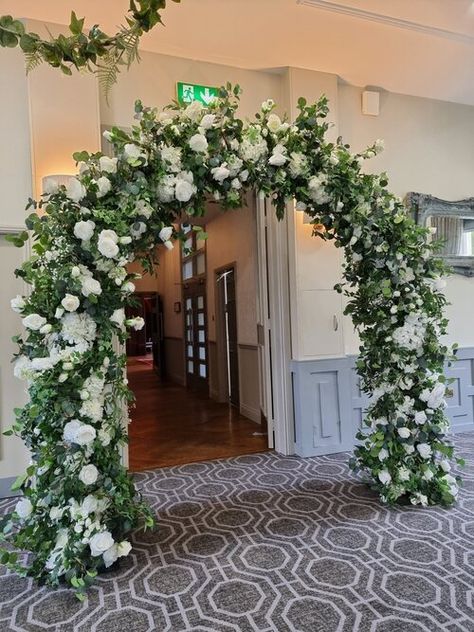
pixel 274 332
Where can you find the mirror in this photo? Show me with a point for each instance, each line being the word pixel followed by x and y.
pixel 452 223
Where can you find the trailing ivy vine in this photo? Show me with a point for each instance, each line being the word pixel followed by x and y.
pixel 94 50
pixel 79 504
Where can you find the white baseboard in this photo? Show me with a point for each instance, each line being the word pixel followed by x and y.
pixel 251 413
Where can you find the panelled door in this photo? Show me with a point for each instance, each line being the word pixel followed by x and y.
pixel 197 372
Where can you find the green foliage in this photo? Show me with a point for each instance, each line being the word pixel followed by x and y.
pixel 117 210
pixel 94 51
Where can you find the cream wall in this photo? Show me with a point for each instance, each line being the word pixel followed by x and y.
pixel 429 149
pixel 232 239
pixel 64 116
pixel 153 80
pixel 15 185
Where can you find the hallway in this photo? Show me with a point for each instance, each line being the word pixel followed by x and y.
pixel 172 425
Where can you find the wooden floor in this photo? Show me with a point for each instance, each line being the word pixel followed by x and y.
pixel 172 425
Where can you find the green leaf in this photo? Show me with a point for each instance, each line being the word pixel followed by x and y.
pixel 76 25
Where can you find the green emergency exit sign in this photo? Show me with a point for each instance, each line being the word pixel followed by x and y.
pixel 189 92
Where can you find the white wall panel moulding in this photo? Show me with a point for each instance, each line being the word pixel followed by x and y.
pixel 371 16
pixel 370 103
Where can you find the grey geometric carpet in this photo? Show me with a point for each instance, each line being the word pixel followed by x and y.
pixel 264 542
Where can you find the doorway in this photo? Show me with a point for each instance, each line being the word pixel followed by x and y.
pixel 195 336
pixel 216 308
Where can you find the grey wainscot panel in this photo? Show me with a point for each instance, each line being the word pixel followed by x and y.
pixel 329 404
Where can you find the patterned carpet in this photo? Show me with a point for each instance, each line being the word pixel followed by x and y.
pixel 264 542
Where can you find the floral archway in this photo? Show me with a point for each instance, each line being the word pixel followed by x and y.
pixel 79 502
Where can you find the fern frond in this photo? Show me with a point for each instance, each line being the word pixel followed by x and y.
pixel 107 73
pixel 33 60
pixel 130 38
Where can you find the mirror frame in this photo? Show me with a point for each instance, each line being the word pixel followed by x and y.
pixel 423 205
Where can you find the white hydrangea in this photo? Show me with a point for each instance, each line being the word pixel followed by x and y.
pixel 78 329
pixel 317 189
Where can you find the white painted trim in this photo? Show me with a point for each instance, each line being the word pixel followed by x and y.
pixel 279 326
pixel 250 412
pixel 11 230
pixel 387 20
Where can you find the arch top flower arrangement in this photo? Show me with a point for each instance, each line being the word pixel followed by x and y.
pixel 79 503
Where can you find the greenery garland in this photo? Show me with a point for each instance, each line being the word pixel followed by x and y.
pixel 79 503
pixel 95 51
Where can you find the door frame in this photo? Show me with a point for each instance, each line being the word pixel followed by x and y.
pixel 275 323
pixel 221 339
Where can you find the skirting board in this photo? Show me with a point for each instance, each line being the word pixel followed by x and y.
pixel 5 487
pixel 251 413
pixel 329 405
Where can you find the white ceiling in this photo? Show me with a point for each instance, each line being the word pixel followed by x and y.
pixel 418 47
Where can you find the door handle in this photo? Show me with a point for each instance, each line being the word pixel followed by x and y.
pixel 335 323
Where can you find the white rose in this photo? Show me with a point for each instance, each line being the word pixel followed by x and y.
pixel 84 230
pixel 90 286
pixel 75 190
pixel 409 449
pixel 70 303
pixel 107 247
pixel 136 323
pixel 220 173
pixel 384 477
pixel 165 117
pixel 268 105
pixel 85 434
pixel 100 542
pixel 110 556
pixel 445 465
pixel 184 191
pixel 379 145
pixel 428 475
pixel 89 505
pixel 404 433
pixel 207 121
pixel 104 437
pixel 22 368
pixel 55 513
pixel 104 186
pixel 198 143
pixel 132 152
pixel 165 233
pixel 18 304
pixel 70 430
pixel 109 234
pixel 420 417
pixel 193 111
pixel 34 321
pixel 424 450
pixel 128 287
pixel 436 398
pixel 118 317
pixel 143 208
pixel 50 186
pixel 278 157
pixel 88 474
pixel 383 454
pixel 24 508
pixel 274 123
pixel 42 364
pixel 403 474
pixel 109 165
